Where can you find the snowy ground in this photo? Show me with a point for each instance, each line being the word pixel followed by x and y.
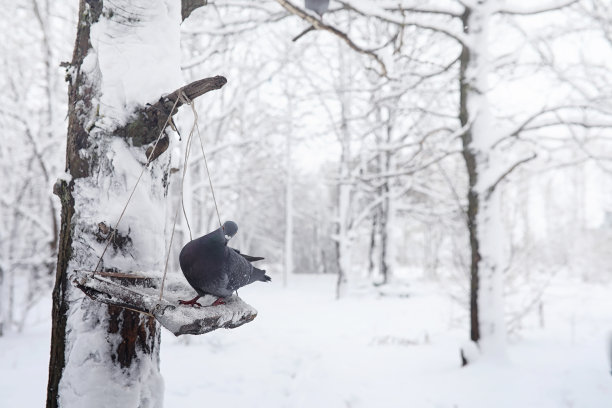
pixel 307 350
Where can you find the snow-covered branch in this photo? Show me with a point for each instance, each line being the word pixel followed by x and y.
pixel 320 25
pixel 531 8
pixel 506 173
pixel 155 116
pixel 25 214
pixel 399 19
pixel 537 120
pixel 409 171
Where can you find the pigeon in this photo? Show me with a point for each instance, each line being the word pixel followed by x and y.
pixel 213 268
pixel 319 7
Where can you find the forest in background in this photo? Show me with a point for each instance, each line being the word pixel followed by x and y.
pixel 344 155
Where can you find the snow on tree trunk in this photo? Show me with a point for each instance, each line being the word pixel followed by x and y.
pixel 343 238
pixel 126 54
pixel 483 164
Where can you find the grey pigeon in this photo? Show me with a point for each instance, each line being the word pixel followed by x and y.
pixel 319 7
pixel 213 268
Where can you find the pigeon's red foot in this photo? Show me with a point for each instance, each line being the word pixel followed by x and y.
pixel 218 302
pixel 193 302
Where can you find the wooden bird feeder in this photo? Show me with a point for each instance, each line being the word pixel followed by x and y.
pixel 141 292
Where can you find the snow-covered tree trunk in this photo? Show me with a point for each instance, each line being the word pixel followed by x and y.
pixel 387 211
pixel 373 239
pixel 126 55
pixel 482 162
pixel 343 228
pixel 343 239
pixel 288 270
pixel 345 188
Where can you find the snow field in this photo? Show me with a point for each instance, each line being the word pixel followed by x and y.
pixel 306 349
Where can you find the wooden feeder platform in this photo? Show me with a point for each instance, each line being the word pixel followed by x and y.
pixel 140 292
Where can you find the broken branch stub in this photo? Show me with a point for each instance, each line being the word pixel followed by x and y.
pixel 142 295
pixel 147 122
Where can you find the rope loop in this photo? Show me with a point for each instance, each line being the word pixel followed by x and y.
pixel 185 100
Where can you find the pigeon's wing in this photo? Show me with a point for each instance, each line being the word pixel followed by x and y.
pixel 249 257
pixel 211 245
pixel 202 262
pixel 238 269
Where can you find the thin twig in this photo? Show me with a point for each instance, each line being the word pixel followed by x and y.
pixel 507 172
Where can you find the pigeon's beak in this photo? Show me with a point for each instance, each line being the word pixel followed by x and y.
pixel 228 237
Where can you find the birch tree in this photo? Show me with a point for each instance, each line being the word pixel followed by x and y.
pixel 126 55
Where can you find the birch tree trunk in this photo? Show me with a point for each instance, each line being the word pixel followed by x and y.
pixel 126 54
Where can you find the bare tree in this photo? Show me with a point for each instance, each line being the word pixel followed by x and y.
pixel 465 27
pixel 34 139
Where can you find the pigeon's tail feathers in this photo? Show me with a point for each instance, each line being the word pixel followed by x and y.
pixel 252 258
pixel 260 275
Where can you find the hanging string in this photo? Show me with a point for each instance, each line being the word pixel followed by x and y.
pixel 185 167
pixel 212 190
pixel 112 235
pixel 186 100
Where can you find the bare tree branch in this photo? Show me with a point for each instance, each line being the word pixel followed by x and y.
pixel 529 125
pixel 320 25
pixel 25 214
pixel 538 9
pixel 402 21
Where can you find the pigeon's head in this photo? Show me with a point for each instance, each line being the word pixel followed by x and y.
pixel 230 228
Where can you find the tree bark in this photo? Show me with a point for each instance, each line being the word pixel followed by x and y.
pixel 470 163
